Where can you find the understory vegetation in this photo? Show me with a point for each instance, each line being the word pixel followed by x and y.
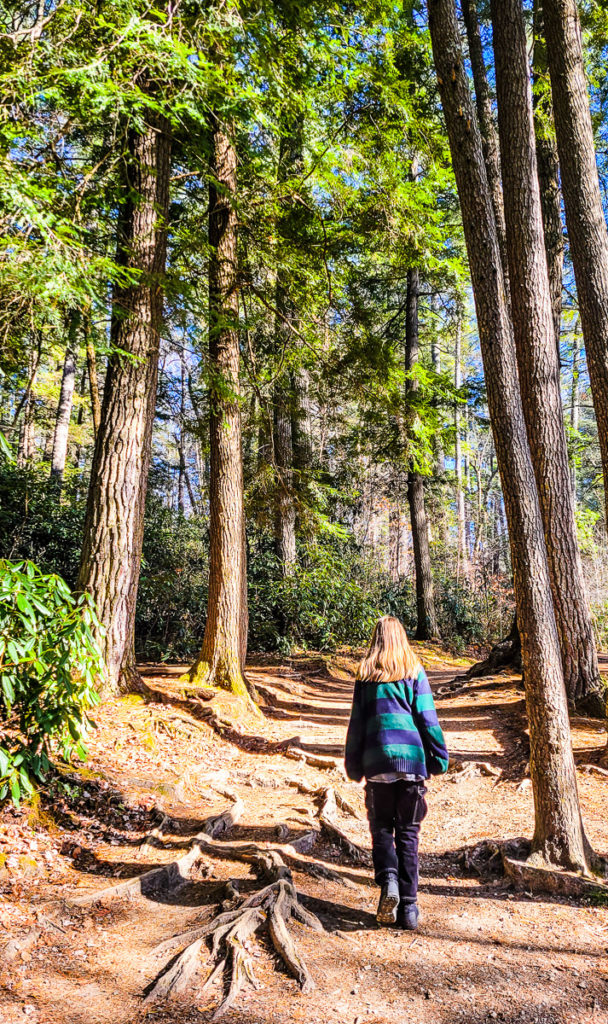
pixel 303 320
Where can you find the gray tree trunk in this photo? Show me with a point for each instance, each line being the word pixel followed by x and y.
pixel 533 324
pixel 64 405
pixel 113 532
pixel 426 617
pixel 582 198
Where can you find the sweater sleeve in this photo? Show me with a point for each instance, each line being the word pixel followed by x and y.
pixel 353 755
pixel 427 723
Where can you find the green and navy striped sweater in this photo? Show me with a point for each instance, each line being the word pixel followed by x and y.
pixel 394 728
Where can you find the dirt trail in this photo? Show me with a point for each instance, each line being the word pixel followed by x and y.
pixel 483 952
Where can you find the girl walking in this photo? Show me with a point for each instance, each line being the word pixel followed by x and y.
pixel 395 741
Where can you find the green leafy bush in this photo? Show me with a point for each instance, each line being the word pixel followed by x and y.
pixel 329 599
pixel 48 662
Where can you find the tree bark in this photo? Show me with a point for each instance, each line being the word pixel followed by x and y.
pixel 426 617
pixel 436 363
pixel 558 837
pixel 113 531
pixel 547 161
pixel 489 135
pixel 286 410
pixel 25 444
pixel 533 328
pixel 582 199
pixel 460 508
pixel 574 400
pixel 221 660
pixel 64 405
pixel 182 479
pixel 285 510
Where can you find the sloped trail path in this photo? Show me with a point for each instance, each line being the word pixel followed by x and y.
pixel 158 771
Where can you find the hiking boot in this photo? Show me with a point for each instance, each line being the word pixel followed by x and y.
pixel 407 916
pixel 389 901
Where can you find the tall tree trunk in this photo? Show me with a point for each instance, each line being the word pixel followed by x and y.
pixel 489 135
pixel 582 199
pixel 574 400
pixel 426 618
pixel 64 405
pixel 558 836
pixel 547 162
pixel 289 167
pixel 394 532
pixel 533 327
pixel 25 444
pixel 436 363
pixel 301 426
pixel 221 660
pixel 182 473
pixel 285 510
pixel 113 531
pixel 460 509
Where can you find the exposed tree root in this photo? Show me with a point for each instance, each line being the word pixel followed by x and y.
pixel 327 815
pixel 546 878
pixel 147 845
pixel 323 761
pixel 292 853
pixel 271 909
pixel 318 791
pixel 592 705
pixel 169 877
pixel 506 654
pixel 590 768
pixel 469 769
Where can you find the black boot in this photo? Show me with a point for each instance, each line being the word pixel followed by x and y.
pixel 407 916
pixel 389 901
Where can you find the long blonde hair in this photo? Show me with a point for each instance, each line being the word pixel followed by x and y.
pixel 389 656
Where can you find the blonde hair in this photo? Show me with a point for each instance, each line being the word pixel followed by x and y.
pixel 389 656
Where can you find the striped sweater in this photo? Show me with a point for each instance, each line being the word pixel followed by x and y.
pixel 394 728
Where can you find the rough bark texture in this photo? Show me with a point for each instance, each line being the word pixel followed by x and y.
pixel 301 426
pixel 426 618
pixel 559 836
pixel 113 531
pixel 547 161
pixel 64 405
pixel 582 198
pixel 460 509
pixel 489 136
pixel 574 400
pixel 221 659
pixel 533 327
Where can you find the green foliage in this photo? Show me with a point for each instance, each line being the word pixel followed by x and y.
pixel 173 587
pixel 465 614
pixel 324 602
pixel 34 525
pixel 48 663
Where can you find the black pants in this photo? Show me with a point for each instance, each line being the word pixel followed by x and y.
pixel 394 812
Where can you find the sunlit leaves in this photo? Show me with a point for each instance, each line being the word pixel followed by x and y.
pixel 49 659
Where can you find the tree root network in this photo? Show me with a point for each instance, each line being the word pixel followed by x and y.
pixel 224 941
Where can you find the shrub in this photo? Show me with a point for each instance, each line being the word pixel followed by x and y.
pixel 48 662
pixel 327 600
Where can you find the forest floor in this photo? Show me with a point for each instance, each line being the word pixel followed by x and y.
pixel 157 770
